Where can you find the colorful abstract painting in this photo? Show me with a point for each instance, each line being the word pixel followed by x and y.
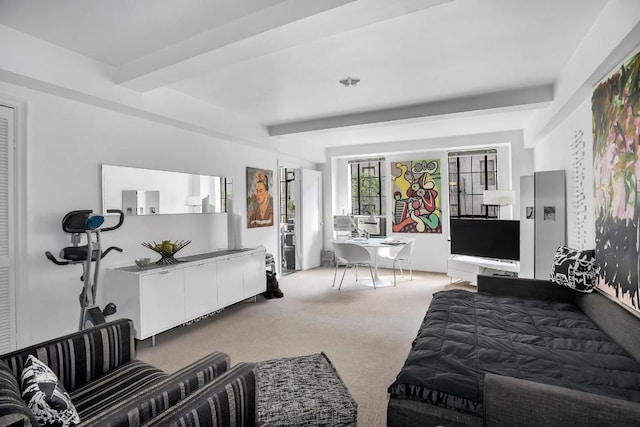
pixel 616 169
pixel 416 196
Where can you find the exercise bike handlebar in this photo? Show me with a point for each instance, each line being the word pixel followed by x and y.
pixel 74 223
pixel 109 249
pixel 77 222
pixel 115 227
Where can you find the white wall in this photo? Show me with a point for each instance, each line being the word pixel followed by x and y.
pixel 613 37
pixel 67 141
pixel 431 250
pixel 553 153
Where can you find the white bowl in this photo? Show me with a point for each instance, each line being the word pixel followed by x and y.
pixel 143 262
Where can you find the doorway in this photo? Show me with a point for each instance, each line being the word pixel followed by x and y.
pixel 287 178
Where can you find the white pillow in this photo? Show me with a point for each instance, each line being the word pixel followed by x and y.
pixel 45 395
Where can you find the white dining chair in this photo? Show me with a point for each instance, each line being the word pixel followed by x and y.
pixel 351 255
pixel 399 253
pixel 340 261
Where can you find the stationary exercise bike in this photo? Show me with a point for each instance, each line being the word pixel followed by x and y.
pixel 86 222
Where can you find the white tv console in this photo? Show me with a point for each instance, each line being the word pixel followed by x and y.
pixel 467 268
pixel 158 298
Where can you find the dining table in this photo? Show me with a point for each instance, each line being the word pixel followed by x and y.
pixel 373 246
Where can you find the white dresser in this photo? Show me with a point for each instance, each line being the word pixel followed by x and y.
pixel 158 298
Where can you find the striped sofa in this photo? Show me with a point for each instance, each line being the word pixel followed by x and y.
pixel 110 387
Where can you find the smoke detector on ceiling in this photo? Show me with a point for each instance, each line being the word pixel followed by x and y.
pixel 349 81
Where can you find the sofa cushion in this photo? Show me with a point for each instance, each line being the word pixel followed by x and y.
pixel 46 396
pixel 466 335
pixel 114 387
pixel 548 405
pixel 151 401
pixel 229 400
pixel 13 409
pixel 574 268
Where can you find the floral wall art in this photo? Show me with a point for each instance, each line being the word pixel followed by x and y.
pixel 616 168
pixel 416 196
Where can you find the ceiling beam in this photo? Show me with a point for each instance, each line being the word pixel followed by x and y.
pixel 509 99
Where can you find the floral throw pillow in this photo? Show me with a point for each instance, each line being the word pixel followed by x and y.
pixel 574 268
pixel 45 396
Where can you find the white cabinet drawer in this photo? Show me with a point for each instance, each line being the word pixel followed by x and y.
pixel 254 275
pixel 200 290
pixel 162 301
pixel 229 274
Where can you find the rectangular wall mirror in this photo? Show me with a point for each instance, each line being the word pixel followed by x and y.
pixel 139 191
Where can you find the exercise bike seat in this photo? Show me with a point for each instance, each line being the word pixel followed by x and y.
pixel 78 253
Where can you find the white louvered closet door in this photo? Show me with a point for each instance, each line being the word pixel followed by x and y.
pixel 7 244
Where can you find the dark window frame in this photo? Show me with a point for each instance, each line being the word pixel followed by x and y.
pixel 463 175
pixel 287 176
pixel 367 180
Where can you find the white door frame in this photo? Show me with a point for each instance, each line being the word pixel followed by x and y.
pixel 18 224
pixel 291 166
pixel 309 230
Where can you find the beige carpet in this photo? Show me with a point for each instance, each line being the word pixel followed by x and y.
pixel 365 333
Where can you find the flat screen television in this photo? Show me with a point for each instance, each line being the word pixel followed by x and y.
pixel 488 238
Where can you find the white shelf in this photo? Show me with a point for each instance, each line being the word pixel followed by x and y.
pixel 467 268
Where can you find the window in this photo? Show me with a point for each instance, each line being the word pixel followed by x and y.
pixel 470 173
pixel 367 186
pixel 287 207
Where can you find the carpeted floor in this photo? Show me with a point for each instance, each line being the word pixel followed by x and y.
pixel 365 333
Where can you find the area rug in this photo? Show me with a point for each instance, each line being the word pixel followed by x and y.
pixel 304 391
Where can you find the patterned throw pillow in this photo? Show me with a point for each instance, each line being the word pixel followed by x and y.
pixel 574 268
pixel 45 396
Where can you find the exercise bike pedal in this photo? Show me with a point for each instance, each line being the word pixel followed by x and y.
pixel 109 309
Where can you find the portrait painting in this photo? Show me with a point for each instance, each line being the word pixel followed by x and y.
pixel 259 198
pixel 549 213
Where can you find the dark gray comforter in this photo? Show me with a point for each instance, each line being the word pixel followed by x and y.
pixel 465 335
